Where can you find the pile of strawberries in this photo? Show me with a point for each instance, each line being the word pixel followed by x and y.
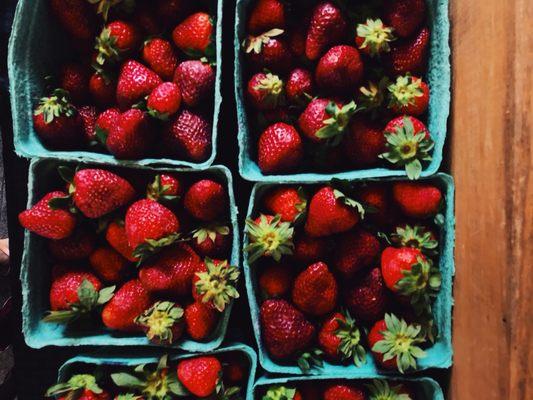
pixel 139 80
pixel 344 268
pixel 335 86
pixel 212 376
pixel 149 256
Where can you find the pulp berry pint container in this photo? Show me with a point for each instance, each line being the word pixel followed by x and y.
pixel 438 78
pixel 439 355
pixel 36 50
pixel 36 268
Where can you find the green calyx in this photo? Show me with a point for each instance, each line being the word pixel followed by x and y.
pixel 380 389
pixel 128 396
pixel 349 202
pixel 279 393
pixel 75 386
pixel 158 191
pixel 269 238
pixel 104 6
pixel 106 46
pixel 416 236
pixel 218 284
pixel 210 232
pixel 154 246
pixel 254 44
pixel 55 106
pixel 376 36
pixel 89 299
pixel 400 341
pixel 372 96
pixel 159 321
pixel 404 91
pixel 350 336
pixel 335 126
pixel 408 148
pixel 310 359
pixel 272 88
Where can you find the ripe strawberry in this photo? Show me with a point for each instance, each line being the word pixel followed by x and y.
pixel 381 389
pixel 377 197
pixel 308 250
pixel 74 78
pixel 102 89
pixel 88 115
pixel 408 95
pixel 330 212
pixel 105 122
pixel 65 288
pixel 214 284
pixel 394 343
pixel 282 392
pixel 417 200
pixel 367 298
pixel 131 135
pixel 109 265
pixel 275 280
pixel 200 321
pixel 235 367
pixel 325 119
pixel 77 246
pixel 76 17
pixel 165 100
pixel 165 187
pixel 160 56
pixel 266 15
pixel 194 35
pixel 269 237
pixel 405 16
pixel 47 221
pixel 130 301
pixel 269 52
pixel 373 37
pixel 212 241
pixel 57 121
pixel 162 323
pixel 196 80
pixel 206 200
pixel 342 391
pixel 265 91
pixel 81 387
pixel 200 375
pixel 299 86
pixel 410 55
pixel 363 143
pixel 339 70
pixel 134 83
pixel 285 330
pixel 116 237
pixel 355 251
pixel 327 27
pixel 286 201
pixel 280 149
pixel 117 39
pixel 315 290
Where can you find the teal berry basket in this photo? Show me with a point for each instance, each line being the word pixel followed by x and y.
pixel 35 269
pixel 425 388
pixel 438 356
pixel 88 363
pixel 438 77
pixel 35 49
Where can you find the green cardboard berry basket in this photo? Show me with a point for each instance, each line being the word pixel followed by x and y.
pixel 35 49
pixel 438 356
pixel 88 363
pixel 35 269
pixel 438 77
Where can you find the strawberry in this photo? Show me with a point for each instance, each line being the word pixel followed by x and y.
pixel 212 241
pixel 57 121
pixel 109 265
pixel 265 91
pixel 134 83
pixel 215 284
pixel 308 250
pixel 367 298
pixel 196 80
pixel 381 389
pixel 88 115
pixel 416 236
pixel 372 95
pixel 343 391
pixel 286 201
pixel 339 70
pixel 280 149
pixel 235 367
pixel 269 237
pixel 105 122
pixel 171 272
pixel 75 247
pixel 188 136
pixel 117 39
pixel 195 34
pixel 266 15
pixel 206 200
pixel 81 386
pixel 286 332
pixel 297 39
pixel 410 55
pixel 327 27
pixel 76 17
pixel 363 143
pixel 330 212
pixel 373 37
pixel 200 321
pixel 47 221
pixel 408 144
pixel 166 187
pixel 131 135
pixel 355 251
pixel 275 280
pixel 163 322
pixel 315 290
pixel 200 375
pixel 376 196
pixel 282 392
pixel 130 301
pixel 408 95
pixel 325 119
pixel 74 79
pixel 299 86
pixel 160 56
pixel 405 16
pixel 417 200
pixel 269 52
pixel 102 89
pixel 117 238
pixel 165 100
pixel 395 344
pixel 340 339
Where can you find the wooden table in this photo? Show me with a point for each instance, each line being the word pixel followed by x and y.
pixel 490 151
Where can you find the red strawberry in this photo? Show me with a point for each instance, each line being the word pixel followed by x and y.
pixel 367 298
pixel 89 114
pixel 171 272
pixel 373 37
pixel 410 55
pixel 377 197
pixel 275 280
pixel 105 122
pixel 46 220
pixel 163 322
pixel 74 78
pixel 102 89
pixel 266 15
pixel 131 135
pixel 299 86
pixel 287 201
pixel 109 265
pixel 165 100
pixel 116 237
pixel 200 321
pixel 315 290
pixel 196 80
pixel 170 11
pixel 265 91
pixel 409 95
pixel 160 56
pixel 355 251
pixel 212 241
pixel 188 136
pixel 130 301
pixel 328 213
pixel 280 149
pixel 57 121
pixel 195 34
pixel 417 200
pixel 285 330
pixel 343 391
pixel 135 82
pixel 76 17
pixel 116 39
pixel 75 247
pixel 340 339
pixel 65 289
pixel 363 143
pixel 327 27
pixel 269 237
pixel 405 16
pixel 206 200
pixel 165 187
pixel 214 284
pixel 200 375
pixel 98 192
pixel 81 387
pixel 308 249
pixel 269 52
pixel 339 70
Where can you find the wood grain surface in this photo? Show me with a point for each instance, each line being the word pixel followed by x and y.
pixel 491 161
